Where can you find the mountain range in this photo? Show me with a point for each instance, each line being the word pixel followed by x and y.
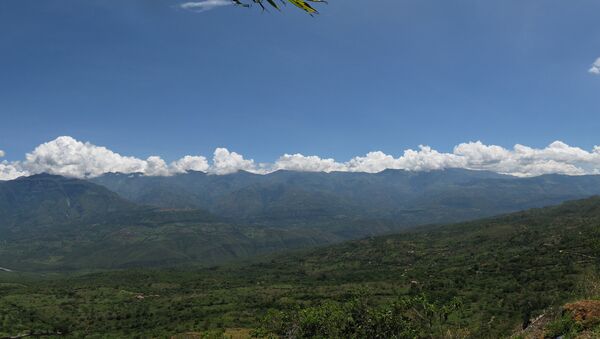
pixel 408 198
pixel 49 222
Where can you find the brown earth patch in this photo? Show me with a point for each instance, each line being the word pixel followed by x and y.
pixel 585 312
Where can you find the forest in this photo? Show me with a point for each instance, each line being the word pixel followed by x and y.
pixel 482 279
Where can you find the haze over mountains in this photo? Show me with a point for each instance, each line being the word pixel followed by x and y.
pixel 52 222
pixel 407 197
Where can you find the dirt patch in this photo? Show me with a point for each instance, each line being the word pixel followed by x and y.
pixel 585 312
pixel 536 330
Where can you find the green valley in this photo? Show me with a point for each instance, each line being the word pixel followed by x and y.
pixel 55 223
pixel 499 272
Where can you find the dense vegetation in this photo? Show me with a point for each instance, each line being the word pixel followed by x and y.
pixel 477 279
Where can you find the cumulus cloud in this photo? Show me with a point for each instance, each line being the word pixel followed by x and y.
pixel 523 161
pixel 595 69
pixel 225 162
pixel 10 171
pixel 190 163
pixel 299 162
pixel 205 5
pixel 69 157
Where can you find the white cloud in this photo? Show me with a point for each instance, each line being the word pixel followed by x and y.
pixel 299 162
pixel 205 5
pixel 70 157
pixel 190 163
pixel 557 157
pixel 595 69
pixel 10 171
pixel 155 166
pixel 524 161
pixel 67 156
pixel 426 159
pixel 373 162
pixel 225 162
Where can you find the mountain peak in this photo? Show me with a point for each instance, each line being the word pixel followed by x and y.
pixel 41 176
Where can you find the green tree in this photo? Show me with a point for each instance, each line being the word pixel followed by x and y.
pixel 304 5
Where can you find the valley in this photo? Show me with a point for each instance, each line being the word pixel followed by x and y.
pixel 158 272
pixel 52 223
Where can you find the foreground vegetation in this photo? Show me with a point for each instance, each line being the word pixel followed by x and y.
pixel 478 279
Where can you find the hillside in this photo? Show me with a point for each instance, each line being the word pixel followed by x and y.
pixel 504 271
pixel 49 199
pixel 409 198
pixel 50 222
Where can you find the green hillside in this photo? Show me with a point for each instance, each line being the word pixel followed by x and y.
pixel 499 273
pixel 49 199
pixel 54 223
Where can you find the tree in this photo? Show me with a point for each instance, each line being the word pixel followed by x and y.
pixel 407 317
pixel 302 4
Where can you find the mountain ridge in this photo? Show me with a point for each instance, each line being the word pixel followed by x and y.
pixel 50 222
pixel 413 198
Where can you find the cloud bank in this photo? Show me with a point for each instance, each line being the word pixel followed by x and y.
pixel 595 67
pixel 205 5
pixel 69 157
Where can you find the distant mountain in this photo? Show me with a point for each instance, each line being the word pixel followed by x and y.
pixel 52 222
pixel 410 198
pixel 49 222
pixel 50 199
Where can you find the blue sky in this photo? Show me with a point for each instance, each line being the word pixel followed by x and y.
pixel 145 77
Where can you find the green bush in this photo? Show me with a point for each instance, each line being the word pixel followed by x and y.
pixel 407 317
pixel 564 326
